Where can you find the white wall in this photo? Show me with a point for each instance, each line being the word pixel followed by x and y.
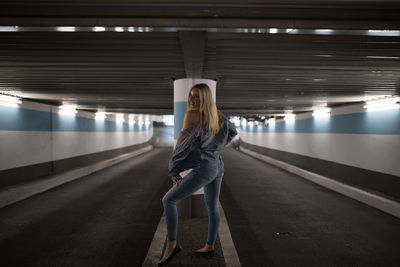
pixel 350 137
pixel 34 133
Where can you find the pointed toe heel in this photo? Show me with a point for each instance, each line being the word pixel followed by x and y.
pixel 210 253
pixel 177 249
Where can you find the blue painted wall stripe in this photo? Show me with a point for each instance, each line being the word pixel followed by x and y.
pixel 376 122
pixel 180 108
pixel 20 119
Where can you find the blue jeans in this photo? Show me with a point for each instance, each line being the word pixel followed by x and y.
pixel 210 178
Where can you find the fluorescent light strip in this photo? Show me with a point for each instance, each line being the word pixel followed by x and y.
pixel 271 121
pixel 321 112
pixel 68 110
pixel 382 104
pixel 8 104
pixel 10 99
pixel 100 116
pixel 177 29
pixel 290 117
pixel 99 29
pixel 120 117
pixel 66 29
pixel 131 119
pixel 273 30
pixel 394 106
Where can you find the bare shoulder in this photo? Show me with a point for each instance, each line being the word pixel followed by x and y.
pixel 191 117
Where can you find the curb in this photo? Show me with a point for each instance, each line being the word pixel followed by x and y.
pixel 228 248
pixel 378 202
pixel 17 193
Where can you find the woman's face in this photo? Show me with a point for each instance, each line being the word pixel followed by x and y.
pixel 194 99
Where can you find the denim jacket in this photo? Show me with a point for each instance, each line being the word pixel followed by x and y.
pixel 197 147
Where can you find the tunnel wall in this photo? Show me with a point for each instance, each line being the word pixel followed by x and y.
pixel 35 141
pixel 352 146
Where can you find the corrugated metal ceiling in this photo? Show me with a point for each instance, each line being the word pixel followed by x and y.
pixel 256 73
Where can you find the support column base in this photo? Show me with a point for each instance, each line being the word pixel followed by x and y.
pixel 192 207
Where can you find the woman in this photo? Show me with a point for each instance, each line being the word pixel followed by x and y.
pixel 205 131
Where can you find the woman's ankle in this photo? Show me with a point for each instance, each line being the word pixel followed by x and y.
pixel 171 244
pixel 209 247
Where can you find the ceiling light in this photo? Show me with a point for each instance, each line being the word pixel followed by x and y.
pixel 273 30
pixel 378 31
pixel 100 116
pixel 382 104
pixel 384 32
pixel 120 117
pixel 119 29
pixel 271 121
pixel 68 110
pixel 10 99
pixel 323 31
pixel 325 112
pixel 383 57
pixel 9 28
pixel 289 30
pixel 99 29
pixel 66 29
pixel 289 117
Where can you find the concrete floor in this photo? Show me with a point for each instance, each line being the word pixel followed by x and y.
pixel 104 219
pixel 275 218
pixel 280 219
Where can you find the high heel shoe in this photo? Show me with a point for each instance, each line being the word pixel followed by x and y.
pixel 209 253
pixel 176 251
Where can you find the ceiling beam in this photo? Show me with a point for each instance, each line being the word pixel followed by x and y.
pixel 192 44
pixel 351 15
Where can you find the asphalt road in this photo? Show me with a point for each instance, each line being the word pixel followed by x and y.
pixel 279 219
pixel 104 219
pixel 275 218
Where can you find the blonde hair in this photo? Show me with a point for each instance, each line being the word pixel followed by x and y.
pixel 210 116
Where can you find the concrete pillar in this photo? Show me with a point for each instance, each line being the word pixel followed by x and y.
pixel 194 205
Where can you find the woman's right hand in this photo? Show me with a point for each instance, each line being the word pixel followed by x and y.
pixel 176 182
